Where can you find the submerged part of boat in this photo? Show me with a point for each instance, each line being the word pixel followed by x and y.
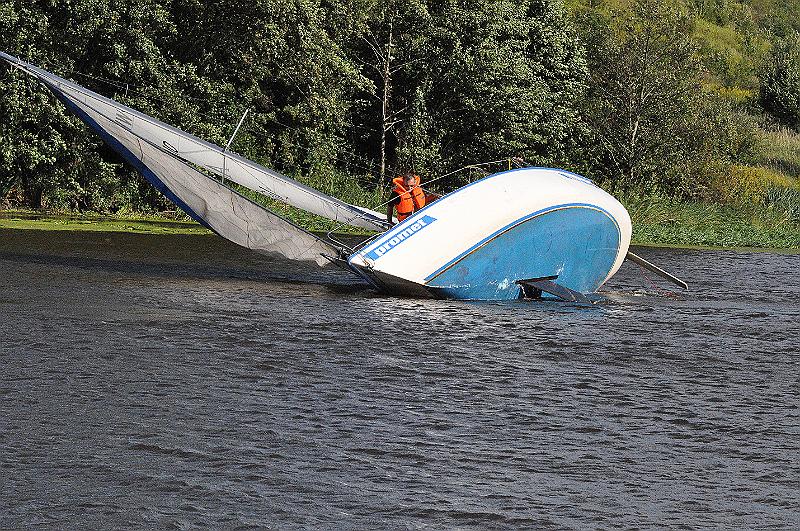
pixel 532 232
pixel 489 239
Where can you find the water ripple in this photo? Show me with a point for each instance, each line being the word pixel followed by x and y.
pixel 236 391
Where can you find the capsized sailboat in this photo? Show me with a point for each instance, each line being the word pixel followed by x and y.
pixel 523 233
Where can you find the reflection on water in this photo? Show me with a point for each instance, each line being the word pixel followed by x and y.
pixel 180 382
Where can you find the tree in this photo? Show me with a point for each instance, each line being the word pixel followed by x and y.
pixel 468 82
pixel 419 84
pixel 30 136
pixel 388 49
pixel 645 103
pixel 417 148
pixel 285 60
pixel 196 65
pixel 780 82
pixel 381 39
pixel 487 80
pixel 113 47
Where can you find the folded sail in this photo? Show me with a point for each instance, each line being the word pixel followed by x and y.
pixel 206 155
pixel 208 201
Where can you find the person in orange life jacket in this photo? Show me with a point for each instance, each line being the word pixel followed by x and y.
pixel 407 196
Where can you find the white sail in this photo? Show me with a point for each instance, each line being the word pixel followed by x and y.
pixel 206 155
pixel 228 213
pixel 208 201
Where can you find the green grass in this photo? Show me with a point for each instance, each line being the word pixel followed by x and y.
pixel 773 222
pixel 28 220
pixel 658 221
pixel 346 189
pixel 780 150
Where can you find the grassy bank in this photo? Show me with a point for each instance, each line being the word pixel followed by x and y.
pixel 655 222
pixel 690 224
pixel 30 220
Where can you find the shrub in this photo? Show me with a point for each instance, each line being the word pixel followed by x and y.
pixel 783 200
pixel 747 184
pixel 780 82
pixel 780 150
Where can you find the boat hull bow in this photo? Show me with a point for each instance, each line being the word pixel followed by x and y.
pixel 478 242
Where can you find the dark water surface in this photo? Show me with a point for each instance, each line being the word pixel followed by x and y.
pixel 177 382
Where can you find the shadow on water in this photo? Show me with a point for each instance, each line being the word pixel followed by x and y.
pixel 173 256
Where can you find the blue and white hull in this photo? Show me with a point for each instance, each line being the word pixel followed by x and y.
pixel 480 241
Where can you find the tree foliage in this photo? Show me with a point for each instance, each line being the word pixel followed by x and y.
pixel 362 89
pixel 505 81
pixel 780 82
pixel 653 125
pixel 470 82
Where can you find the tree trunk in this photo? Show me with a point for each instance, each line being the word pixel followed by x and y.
pixel 33 192
pixel 387 92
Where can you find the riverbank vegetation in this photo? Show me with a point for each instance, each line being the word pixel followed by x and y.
pixel 92 222
pixel 686 110
pixel 662 222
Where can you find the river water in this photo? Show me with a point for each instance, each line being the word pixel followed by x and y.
pixel 180 382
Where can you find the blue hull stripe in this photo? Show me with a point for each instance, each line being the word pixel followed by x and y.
pixel 511 226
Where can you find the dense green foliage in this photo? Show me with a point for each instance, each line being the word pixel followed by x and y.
pixel 653 125
pixel 668 221
pixel 337 89
pixel 780 86
pixel 679 98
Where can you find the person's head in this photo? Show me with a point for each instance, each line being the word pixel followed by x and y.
pixel 409 179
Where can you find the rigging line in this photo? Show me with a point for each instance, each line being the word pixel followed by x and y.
pixel 172 155
pixel 341 151
pixel 278 197
pixel 370 169
pixel 661 291
pixel 476 166
pixel 126 86
pixel 355 214
pixel 337 158
pixel 386 203
pixel 117 84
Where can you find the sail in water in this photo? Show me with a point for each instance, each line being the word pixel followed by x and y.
pixel 167 158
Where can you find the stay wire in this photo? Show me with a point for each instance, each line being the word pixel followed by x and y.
pixel 369 169
pixel 386 203
pixel 131 87
pixel 127 88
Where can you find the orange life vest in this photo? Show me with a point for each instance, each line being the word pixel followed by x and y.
pixel 410 200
